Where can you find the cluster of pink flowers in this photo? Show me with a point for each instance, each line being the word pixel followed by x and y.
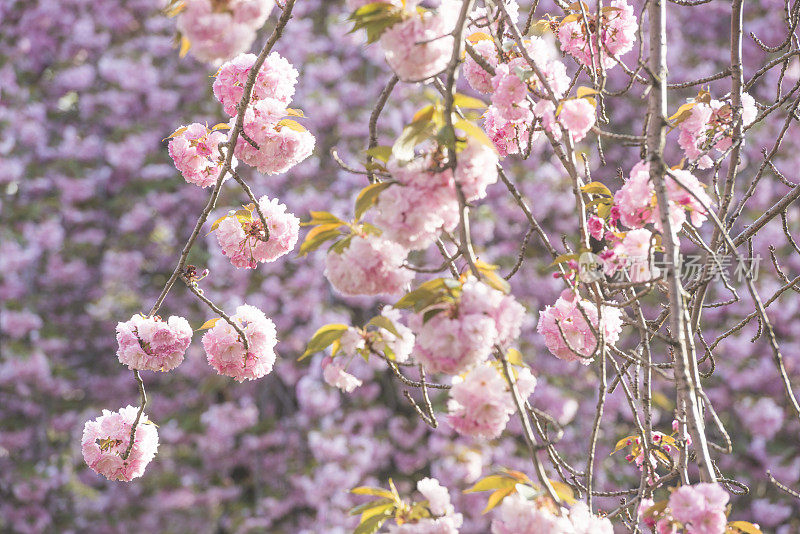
pixel 578 116
pixel 517 515
pixel 618 27
pixel 275 80
pixel 370 265
pixel 480 403
pixel 510 116
pixel 634 255
pixel 195 151
pixel 464 334
pixel 421 45
pixel 444 520
pixel 333 371
pixel 148 343
pixel 637 202
pixel 698 509
pixel 566 333
pixel 274 144
pixel 226 352
pixel 398 346
pixel 425 203
pixel 476 76
pixel 242 239
pixel 218 30
pixel 709 126
pixel 106 439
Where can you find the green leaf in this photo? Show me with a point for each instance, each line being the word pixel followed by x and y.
pixel 317 236
pixel 371 525
pixel 492 482
pixel 412 135
pixel 596 188
pixel 208 324
pixel 564 258
pixel 324 337
pixel 586 91
pixel 381 321
pixel 474 131
pixel 624 442
pixel 376 492
pixel 376 18
pixel 426 294
pixel 292 124
pixel 497 497
pixel 468 102
pixel 382 153
pixel 491 277
pixel 563 491
pixel 369 196
pixel 385 509
pixel 514 357
pixel 744 526
pixel 322 217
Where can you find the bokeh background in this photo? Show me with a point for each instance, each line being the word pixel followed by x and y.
pixel 93 217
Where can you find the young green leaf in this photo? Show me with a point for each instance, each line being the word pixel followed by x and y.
pixel 368 196
pixel 323 338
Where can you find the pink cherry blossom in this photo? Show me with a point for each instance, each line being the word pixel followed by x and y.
pixel 370 265
pixel 478 78
pixel 106 439
pixel 480 404
pixel 400 346
pixel 508 137
pixel 334 374
pixel 585 522
pixel 195 152
pixel 149 343
pixel 242 240
pixel 517 515
pixel 578 116
pixel 476 169
pixel 281 146
pixel 566 333
pixel 618 33
pixel 633 254
pixel 225 350
pixel 218 31
pixel 276 79
pixel 421 45
pixel 510 92
pixel 444 520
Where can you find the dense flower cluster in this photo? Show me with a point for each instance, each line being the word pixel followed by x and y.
pixel 638 206
pixel 697 509
pixel 105 441
pixel 577 116
pixel 243 241
pixel 370 265
pixel 517 515
pixel 464 334
pixel 195 151
pixel 149 343
pixel 273 143
pixel 480 403
pixel 334 374
pixel 709 126
pixel 226 352
pixel 634 255
pixel 566 332
pixel 618 27
pixel 218 30
pixel 421 45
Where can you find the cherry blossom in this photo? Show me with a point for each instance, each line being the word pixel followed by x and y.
pixel 241 238
pixel 195 151
pixel 105 441
pixel 149 343
pixel 369 265
pixel 618 27
pixel 225 350
pixel 276 79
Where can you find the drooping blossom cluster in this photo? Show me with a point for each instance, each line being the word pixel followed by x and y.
pixel 370 265
pixel 105 441
pixel 708 125
pixel 700 508
pixel 398 346
pixel 273 144
pixel 195 151
pixel 227 354
pixel 333 371
pixel 218 30
pixel 150 343
pixel 421 45
pixel 243 240
pixel 464 334
pixel 633 255
pixel 425 201
pixel 443 520
pixel 480 403
pixel 618 25
pixel 517 515
pixel 568 335
pixel 638 206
